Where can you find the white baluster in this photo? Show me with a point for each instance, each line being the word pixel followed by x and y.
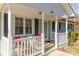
pixel 25 47
pixel 32 46
pixel 21 48
pixel 37 44
pixel 17 48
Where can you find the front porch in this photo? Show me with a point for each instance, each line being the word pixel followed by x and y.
pixel 26 36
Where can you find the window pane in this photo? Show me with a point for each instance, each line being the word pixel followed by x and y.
pixel 28 28
pixel 18 25
pixel 53 26
pixel 70 27
pixel 59 26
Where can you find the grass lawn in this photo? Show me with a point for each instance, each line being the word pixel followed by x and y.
pixel 73 49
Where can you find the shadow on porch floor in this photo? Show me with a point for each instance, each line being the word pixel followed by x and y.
pixel 48 45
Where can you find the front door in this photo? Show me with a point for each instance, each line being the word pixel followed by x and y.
pixel 46 31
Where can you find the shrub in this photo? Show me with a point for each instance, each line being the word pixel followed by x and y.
pixel 72 37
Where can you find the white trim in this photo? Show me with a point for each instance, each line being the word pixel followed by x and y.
pixel 24 26
pixel 43 41
pixel 51 30
pixel 56 26
pixel 67 31
pixel 9 42
pixel 2 29
pixel 33 27
pixel 47 30
pixel 39 26
pixel 2 22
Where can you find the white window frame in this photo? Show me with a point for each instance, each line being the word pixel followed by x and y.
pixel 23 26
pixel 24 18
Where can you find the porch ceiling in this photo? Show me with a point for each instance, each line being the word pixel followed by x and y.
pixel 48 8
pixel 29 12
pixel 33 9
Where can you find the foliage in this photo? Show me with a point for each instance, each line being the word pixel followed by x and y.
pixel 72 37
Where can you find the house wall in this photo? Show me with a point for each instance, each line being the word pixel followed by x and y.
pixel 61 35
pixel 77 28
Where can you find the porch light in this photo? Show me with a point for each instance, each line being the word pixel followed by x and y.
pixel 51 12
pixel 40 12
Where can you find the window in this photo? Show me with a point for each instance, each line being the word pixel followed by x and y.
pixel 70 27
pixel 28 26
pixel 53 26
pixel 60 26
pixel 5 25
pixel 18 25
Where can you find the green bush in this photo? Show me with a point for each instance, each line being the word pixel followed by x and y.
pixel 72 37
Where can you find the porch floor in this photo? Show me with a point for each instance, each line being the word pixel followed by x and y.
pixel 48 45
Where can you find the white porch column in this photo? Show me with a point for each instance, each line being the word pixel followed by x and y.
pixel 42 33
pixel 67 31
pixel 2 34
pixel 56 23
pixel 9 30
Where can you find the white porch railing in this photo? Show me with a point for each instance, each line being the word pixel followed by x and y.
pixel 27 46
pixel 4 48
pixel 61 38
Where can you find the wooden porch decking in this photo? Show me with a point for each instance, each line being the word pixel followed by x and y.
pixel 49 45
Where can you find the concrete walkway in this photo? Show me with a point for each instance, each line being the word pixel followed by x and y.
pixel 59 53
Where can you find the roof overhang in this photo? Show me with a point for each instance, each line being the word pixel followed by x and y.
pixel 75 8
pixel 62 10
pixel 66 7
